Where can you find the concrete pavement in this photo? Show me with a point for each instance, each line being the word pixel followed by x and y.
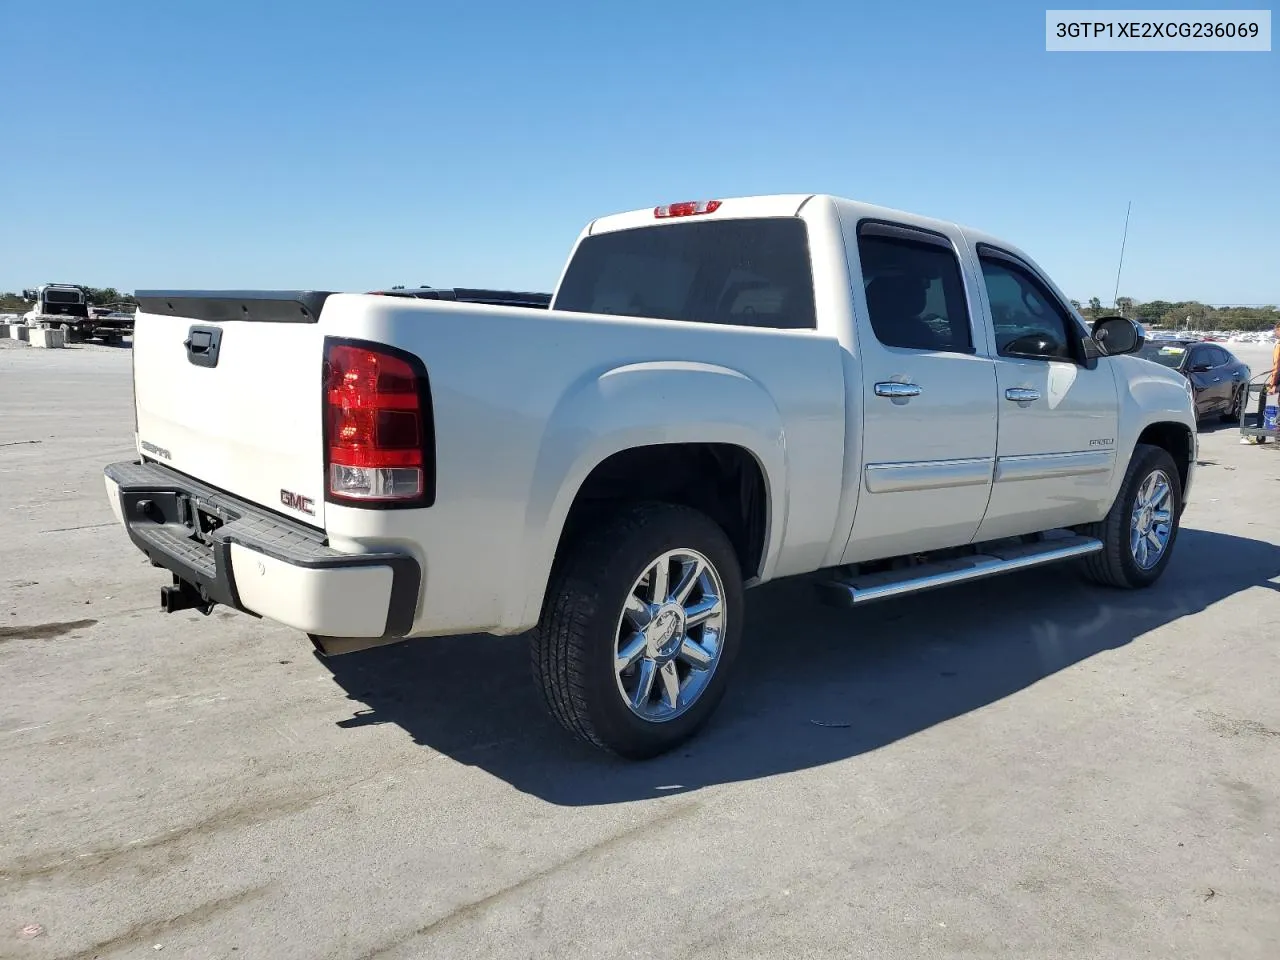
pixel 1026 768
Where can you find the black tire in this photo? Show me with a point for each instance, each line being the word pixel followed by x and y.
pixel 1114 565
pixel 1233 415
pixel 573 646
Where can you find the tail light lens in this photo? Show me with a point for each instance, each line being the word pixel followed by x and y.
pixel 379 439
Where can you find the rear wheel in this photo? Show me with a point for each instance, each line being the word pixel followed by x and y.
pixel 1139 531
pixel 640 628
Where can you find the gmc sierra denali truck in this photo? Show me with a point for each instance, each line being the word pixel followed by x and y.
pixel 722 393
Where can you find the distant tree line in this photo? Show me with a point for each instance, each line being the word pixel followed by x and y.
pixel 110 297
pixel 1184 314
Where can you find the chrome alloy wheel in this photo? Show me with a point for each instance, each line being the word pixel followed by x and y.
pixel 1151 523
pixel 668 638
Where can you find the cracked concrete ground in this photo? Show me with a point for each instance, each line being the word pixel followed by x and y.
pixel 1022 768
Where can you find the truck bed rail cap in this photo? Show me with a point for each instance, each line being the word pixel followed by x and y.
pixel 267 306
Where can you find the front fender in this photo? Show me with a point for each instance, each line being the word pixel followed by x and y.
pixel 1151 394
pixel 641 404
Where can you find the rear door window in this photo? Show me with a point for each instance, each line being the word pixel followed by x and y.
pixel 915 293
pixel 748 272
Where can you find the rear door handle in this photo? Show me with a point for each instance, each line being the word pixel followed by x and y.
pixel 1021 394
pixel 894 390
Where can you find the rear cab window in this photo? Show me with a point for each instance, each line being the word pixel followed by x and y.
pixel 749 272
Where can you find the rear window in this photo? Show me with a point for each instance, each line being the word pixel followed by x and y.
pixel 62 296
pixel 748 272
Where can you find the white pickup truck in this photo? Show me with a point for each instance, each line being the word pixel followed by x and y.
pixel 722 393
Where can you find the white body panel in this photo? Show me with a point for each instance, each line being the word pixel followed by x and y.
pixel 519 429
pixel 251 425
pixel 1056 455
pixel 927 460
pixel 527 402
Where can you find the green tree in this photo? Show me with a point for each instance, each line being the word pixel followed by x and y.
pixel 109 297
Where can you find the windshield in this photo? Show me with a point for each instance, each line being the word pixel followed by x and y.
pixel 63 296
pixel 752 272
pixel 1167 354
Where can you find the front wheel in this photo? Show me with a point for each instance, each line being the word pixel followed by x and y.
pixel 1233 414
pixel 1139 531
pixel 640 628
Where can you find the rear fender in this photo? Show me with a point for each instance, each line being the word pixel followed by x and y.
pixel 635 405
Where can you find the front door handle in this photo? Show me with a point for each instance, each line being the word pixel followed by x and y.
pixel 895 390
pixel 1021 394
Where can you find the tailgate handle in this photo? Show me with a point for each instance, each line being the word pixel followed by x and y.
pixel 202 345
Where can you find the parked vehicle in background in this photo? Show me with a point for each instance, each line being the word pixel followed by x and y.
pixel 66 307
pixel 59 306
pixel 723 393
pixel 113 326
pixel 1219 380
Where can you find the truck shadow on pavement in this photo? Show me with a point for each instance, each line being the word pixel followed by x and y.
pixel 813 685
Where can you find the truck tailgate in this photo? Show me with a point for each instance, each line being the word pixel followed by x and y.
pixel 228 389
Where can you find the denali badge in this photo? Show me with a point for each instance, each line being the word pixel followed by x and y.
pixel 160 452
pixel 295 501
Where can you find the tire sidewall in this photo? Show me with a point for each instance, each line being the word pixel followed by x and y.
pixel 612 718
pixel 1151 460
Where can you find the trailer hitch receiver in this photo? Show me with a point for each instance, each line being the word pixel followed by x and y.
pixel 185 596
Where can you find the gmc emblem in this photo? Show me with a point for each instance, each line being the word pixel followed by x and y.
pixel 296 501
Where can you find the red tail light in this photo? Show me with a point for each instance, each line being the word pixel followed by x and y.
pixel 690 208
pixel 379 442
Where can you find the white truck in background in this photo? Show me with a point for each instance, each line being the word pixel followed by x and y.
pixel 721 394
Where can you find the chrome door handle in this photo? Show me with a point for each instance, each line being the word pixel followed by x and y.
pixel 1021 394
pixel 894 390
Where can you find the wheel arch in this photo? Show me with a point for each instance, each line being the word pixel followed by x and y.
pixel 616 436
pixel 1179 441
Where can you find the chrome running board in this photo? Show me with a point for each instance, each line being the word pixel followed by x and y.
pixel 992 560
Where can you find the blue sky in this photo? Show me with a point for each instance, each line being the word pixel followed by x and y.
pixel 347 146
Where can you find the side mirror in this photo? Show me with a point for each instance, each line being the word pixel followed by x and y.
pixel 1033 346
pixel 1118 335
pixel 1200 368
